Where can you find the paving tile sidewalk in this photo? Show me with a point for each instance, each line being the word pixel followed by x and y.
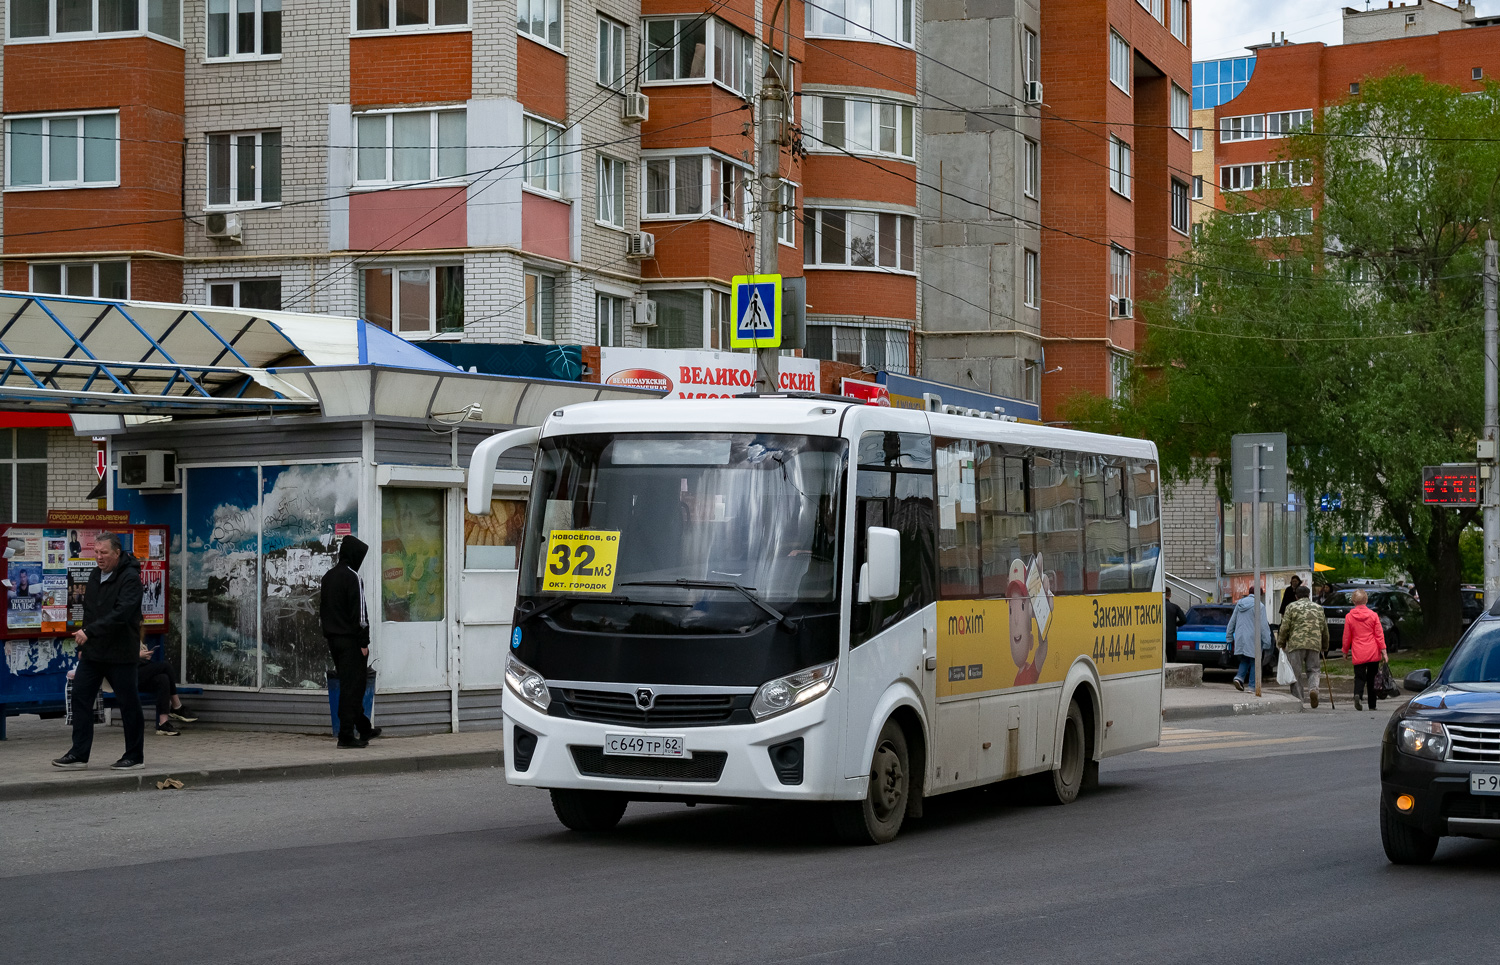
pixel 202 755
pixel 1222 700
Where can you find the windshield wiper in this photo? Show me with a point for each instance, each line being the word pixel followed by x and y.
pixel 747 592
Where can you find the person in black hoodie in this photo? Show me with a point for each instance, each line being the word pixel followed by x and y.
pixel 107 646
pixel 346 625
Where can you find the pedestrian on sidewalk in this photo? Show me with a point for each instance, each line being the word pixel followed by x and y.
pixel 107 645
pixel 1241 632
pixel 1364 643
pixel 158 676
pixel 346 626
pixel 1290 595
pixel 1175 619
pixel 1304 637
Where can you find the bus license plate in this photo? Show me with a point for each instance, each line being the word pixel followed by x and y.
pixel 638 745
pixel 1482 783
pixel 1213 646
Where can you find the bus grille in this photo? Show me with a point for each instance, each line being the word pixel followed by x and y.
pixel 1480 744
pixel 702 766
pixel 670 710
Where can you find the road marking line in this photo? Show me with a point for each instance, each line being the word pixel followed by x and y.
pixel 1216 745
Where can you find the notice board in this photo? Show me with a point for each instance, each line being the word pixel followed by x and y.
pixel 50 564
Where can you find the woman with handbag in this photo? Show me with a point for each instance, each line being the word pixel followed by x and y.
pixel 1364 643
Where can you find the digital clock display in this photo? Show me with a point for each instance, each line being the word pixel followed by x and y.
pixel 1450 485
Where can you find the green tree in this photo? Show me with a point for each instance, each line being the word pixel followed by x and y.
pixel 1356 328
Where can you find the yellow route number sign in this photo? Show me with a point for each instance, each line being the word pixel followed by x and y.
pixel 581 561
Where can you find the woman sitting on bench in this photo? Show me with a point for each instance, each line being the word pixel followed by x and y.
pixel 156 675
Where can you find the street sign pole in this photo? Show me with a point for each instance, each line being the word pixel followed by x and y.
pixel 1491 439
pixel 1255 557
pixel 772 110
pixel 1258 475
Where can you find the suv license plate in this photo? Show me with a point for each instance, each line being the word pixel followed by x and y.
pixel 1484 783
pixel 652 745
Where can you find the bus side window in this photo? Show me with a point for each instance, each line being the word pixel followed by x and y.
pixel 1144 517
pixel 1056 497
pixel 897 494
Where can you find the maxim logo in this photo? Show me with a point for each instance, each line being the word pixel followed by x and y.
pixel 963 626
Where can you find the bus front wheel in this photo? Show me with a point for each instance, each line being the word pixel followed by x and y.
pixel 1061 786
pixel 592 811
pixel 877 819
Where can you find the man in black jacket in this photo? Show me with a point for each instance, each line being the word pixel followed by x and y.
pixel 107 647
pixel 346 625
pixel 1175 619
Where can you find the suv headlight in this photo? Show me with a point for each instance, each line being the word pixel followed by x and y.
pixel 784 693
pixel 1422 738
pixel 527 684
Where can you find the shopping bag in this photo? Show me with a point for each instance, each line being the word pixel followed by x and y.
pixel 1284 673
pixel 68 705
pixel 1385 684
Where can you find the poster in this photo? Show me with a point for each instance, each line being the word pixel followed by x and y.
pixel 81 546
pixel 221 576
pixel 27 543
pixel 54 550
pixel 698 374
pixel 411 555
pixel 25 594
pixel 54 602
pixel 153 594
pixel 306 510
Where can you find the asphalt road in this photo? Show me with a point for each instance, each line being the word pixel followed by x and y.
pixel 1240 840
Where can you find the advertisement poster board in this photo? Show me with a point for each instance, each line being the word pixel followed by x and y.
pixel 870 393
pixel 696 374
pixel 49 568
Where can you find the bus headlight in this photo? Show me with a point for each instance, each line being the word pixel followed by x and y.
pixel 1423 738
pixel 793 690
pixel 527 684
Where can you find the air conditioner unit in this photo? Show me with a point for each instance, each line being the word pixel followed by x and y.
pixel 644 315
pixel 637 107
pixel 1033 92
pixel 640 244
pixel 224 226
pixel 148 469
pixel 1124 308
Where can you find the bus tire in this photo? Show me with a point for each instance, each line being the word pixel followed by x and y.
pixel 588 811
pixel 877 818
pixel 1062 784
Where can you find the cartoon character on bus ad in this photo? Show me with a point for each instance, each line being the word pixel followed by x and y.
pixel 1029 599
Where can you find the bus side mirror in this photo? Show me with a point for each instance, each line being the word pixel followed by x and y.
pixel 880 576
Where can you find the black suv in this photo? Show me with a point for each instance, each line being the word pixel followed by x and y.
pixel 1440 759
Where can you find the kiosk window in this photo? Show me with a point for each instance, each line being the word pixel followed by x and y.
pixel 493 542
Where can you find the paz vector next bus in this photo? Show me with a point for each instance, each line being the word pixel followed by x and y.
pixel 796 598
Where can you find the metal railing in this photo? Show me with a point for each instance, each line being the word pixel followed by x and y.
pixel 1195 593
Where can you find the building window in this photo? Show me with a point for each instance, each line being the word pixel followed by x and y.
pixel 1180 20
pixel 694 184
pixel 261 293
pixel 1197 187
pixel 886 349
pixel 858 239
pixel 786 222
pixel 1120 287
pixel 1033 172
pixel 88 279
pixel 1119 382
pixel 1197 138
pixel 1286 224
pixel 1477 73
pixel 860 125
pixel 1033 280
pixel 244 170
pixel 253 29
pixel 409 14
pixel 63 151
pixel 1119 166
pixel 543 155
pixel 415 301
pixel 23 475
pixel 679 319
pixel 1154 6
pixel 1179 206
pixel 407 146
pixel 611 54
pixel 82 19
pixel 1182 110
pixel 1288 122
pixel 887 21
pixel 541 304
pixel 720 318
pixel 679 50
pixel 611 192
pixel 734 54
pixel 609 320
pixel 1251 127
pixel 1354 88
pixel 730 192
pixel 1031 55
pixel 1121 65
pixel 1248 177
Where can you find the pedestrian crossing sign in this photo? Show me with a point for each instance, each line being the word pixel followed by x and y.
pixel 757 311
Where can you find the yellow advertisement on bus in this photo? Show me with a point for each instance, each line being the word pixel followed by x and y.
pixel 1031 636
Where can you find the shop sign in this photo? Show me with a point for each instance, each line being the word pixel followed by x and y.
pixel 694 374
pixel 870 393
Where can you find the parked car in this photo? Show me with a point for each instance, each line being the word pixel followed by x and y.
pixel 1400 615
pixel 1202 639
pixel 1473 597
pixel 1440 757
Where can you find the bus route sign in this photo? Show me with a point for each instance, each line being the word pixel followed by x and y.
pixel 1453 485
pixel 581 561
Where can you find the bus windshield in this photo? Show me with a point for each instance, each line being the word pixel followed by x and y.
pixel 754 510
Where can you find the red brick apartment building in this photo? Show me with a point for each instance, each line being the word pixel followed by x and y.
pixel 1116 172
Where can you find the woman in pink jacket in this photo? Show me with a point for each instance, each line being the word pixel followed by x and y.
pixel 1364 640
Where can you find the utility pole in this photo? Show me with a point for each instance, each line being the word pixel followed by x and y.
pixel 1255 613
pixel 1487 447
pixel 768 170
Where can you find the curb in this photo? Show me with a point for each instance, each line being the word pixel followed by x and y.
pixel 143 781
pixel 1230 710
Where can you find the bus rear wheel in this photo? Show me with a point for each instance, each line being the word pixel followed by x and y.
pixel 1061 785
pixel 877 819
pixel 588 811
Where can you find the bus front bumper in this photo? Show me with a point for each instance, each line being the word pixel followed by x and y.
pixel 791 757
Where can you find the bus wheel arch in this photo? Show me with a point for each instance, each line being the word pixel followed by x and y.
pixel 910 722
